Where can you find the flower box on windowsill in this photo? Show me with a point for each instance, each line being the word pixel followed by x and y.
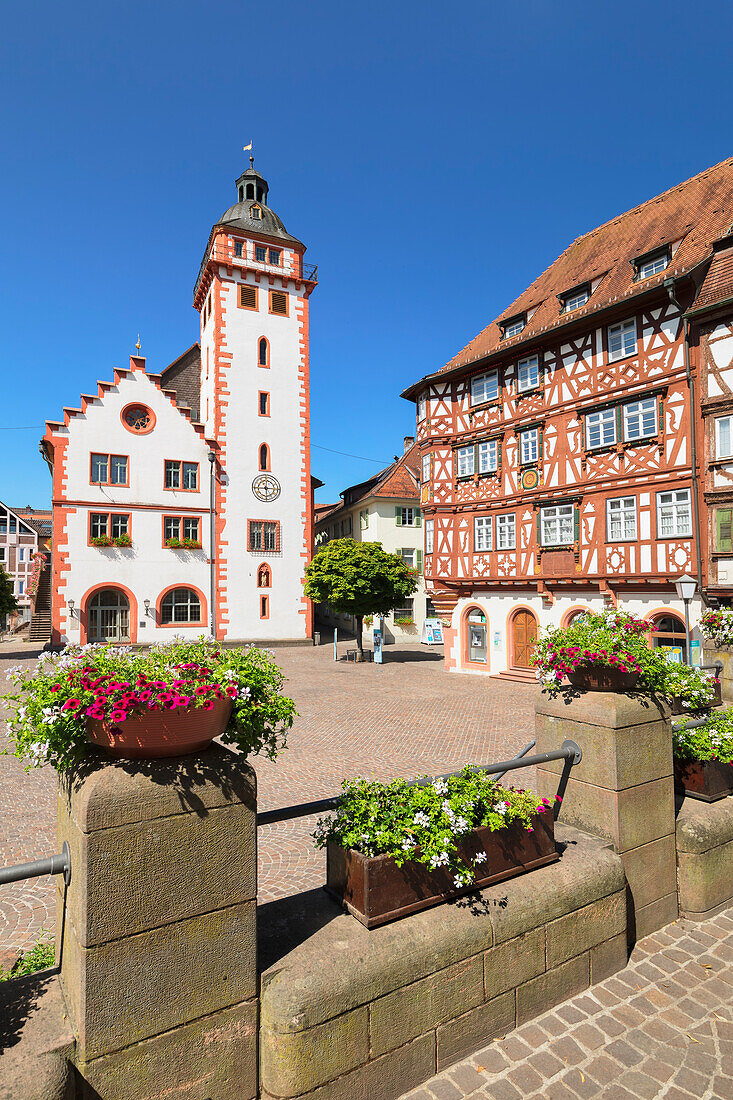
pixel 706 780
pixel 102 541
pixel 183 544
pixel 375 890
pixel 123 542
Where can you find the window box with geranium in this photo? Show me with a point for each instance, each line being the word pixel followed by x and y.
pixel 171 700
pixel 703 758
pixel 102 540
pixel 183 544
pixel 393 849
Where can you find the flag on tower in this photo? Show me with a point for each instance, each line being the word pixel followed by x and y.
pixel 246 147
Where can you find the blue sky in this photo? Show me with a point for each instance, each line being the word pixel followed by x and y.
pixel 434 157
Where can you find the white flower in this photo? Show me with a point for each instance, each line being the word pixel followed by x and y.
pixel 230 674
pixel 244 693
pixel 421 818
pixel 408 845
pixel 459 881
pixel 440 786
pixel 439 861
pixel 460 825
pixel 501 807
pixel 480 857
pixel 448 810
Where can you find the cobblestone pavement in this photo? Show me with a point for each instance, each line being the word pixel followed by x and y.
pixel 663 1027
pixel 406 717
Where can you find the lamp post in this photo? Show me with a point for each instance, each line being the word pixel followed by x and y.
pixel 686 587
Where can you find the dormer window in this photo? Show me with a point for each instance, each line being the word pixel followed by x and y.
pixel 651 263
pixel 513 326
pixel 256 212
pixel 575 298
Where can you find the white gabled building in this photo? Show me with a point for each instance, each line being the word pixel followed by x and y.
pixel 183 501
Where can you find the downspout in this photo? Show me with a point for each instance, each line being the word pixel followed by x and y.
pixel 669 284
pixel 212 547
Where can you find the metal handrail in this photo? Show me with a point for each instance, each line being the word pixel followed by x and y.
pixel 570 751
pixel 59 864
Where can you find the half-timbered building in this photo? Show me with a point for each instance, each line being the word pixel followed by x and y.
pixel 564 449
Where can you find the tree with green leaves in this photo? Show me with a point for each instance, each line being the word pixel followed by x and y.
pixel 7 599
pixel 358 578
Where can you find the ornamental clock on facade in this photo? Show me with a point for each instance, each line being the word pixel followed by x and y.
pixel 266 487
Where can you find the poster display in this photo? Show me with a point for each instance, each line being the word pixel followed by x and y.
pixel 432 632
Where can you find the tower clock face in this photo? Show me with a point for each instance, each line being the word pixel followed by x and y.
pixel 266 487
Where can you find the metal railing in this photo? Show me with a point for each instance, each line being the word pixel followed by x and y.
pixel 59 864
pixel 569 751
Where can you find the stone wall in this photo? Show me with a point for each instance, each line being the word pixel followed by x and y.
pixel 346 1012
pixel 725 656
pixel 705 857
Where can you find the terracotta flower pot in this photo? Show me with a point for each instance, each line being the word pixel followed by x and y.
pixel 153 733
pixel 706 780
pixel 375 890
pixel 604 678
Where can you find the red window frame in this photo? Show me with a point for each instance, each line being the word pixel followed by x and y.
pixel 108 515
pixel 266 395
pixel 180 462
pixel 260 550
pixel 277 312
pixel 109 457
pixel 179 536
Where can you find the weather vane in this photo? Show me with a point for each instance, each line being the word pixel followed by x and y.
pixel 251 153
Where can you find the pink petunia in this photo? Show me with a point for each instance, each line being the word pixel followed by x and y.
pixel 71 704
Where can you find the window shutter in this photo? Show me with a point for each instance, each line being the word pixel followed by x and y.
pixel 619 424
pixel 539 444
pixel 279 302
pixel 724 518
pixel 660 426
pixel 418 518
pixel 247 296
pixel 398 515
pixel 576 522
pixel 419 561
pixel 498 453
pixel 582 432
pixel 539 527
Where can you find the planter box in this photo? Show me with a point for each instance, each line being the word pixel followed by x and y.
pixel 375 890
pixel 707 780
pixel 677 707
pixel 604 678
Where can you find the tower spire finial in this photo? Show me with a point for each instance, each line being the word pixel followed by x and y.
pixel 138 344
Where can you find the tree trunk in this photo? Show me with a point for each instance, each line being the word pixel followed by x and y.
pixel 359 628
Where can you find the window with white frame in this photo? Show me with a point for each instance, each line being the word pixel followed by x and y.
pixel 600 429
pixel 514 327
pixel 429 535
pixel 485 387
pixel 406 516
pixel 723 437
pixel 557 524
pixel 482 534
pixel 640 419
pixel 422 406
pixel 488 456
pixel 621 519
pixel 426 466
pixel 506 532
pixel 466 459
pixel 652 265
pixel 529 446
pixel 363 520
pixel 674 514
pixel 21 588
pixel 409 556
pixel 528 373
pixel 621 340
pixel 574 299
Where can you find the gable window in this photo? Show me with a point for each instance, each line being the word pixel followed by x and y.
pixel 482 534
pixel 466 457
pixel 426 466
pixel 557 525
pixel 279 303
pixel 256 213
pixel 674 514
pixel 239 248
pixel 506 532
pixel 485 387
pixel 575 298
pixel 181 605
pixel 488 452
pixel 422 404
pixel 600 429
pixel 528 374
pixel 640 419
pixel 621 519
pixel 247 296
pixel 529 446
pixel 429 535
pixel 109 469
pixel 621 340
pixel 723 437
pixel 406 516
pixel 512 326
pixel 724 529
pixel 652 263
pixel 181 475
pixel 263 536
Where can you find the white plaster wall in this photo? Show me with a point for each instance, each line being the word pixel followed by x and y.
pixel 245 431
pixel 147 568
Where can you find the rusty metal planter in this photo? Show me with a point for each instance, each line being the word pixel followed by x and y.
pixel 707 780
pixel 677 708
pixel 604 678
pixel 375 890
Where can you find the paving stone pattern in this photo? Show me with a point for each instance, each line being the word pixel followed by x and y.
pixel 407 717
pixel 662 1027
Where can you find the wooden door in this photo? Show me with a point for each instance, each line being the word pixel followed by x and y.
pixel 524 636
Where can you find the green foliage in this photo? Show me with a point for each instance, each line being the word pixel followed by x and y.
pixel 713 741
pixel 39 957
pixel 54 701
pixel 691 686
pixel 358 578
pixel 424 824
pixel 8 601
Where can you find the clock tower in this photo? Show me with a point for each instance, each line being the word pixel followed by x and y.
pixel 252 295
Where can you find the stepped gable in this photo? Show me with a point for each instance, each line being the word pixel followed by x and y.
pixel 695 213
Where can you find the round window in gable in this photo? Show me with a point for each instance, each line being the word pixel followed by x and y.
pixel 138 419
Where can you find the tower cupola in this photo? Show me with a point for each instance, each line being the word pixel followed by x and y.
pixel 251 186
pixel 251 211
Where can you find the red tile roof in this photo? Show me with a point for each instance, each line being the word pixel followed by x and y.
pixel 402 479
pixel 694 213
pixel 718 283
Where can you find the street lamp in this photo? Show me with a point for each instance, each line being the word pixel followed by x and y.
pixel 686 587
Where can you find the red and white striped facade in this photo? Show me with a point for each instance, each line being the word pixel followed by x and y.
pixel 228 480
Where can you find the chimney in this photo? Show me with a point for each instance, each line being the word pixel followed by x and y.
pixel 408 442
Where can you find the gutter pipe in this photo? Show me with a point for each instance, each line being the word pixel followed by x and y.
pixel 212 548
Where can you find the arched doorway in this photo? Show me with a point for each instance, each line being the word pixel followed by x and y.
pixel 108 618
pixel 524 636
pixel 669 633
pixel 476 647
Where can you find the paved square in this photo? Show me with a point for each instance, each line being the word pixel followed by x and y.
pixel 407 717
